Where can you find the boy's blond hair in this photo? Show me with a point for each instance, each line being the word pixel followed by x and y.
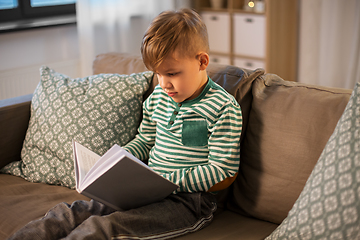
pixel 181 30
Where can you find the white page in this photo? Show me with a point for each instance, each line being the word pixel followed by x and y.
pixel 107 161
pixel 104 160
pixel 85 160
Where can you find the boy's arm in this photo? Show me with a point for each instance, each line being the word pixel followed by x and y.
pixel 144 140
pixel 224 157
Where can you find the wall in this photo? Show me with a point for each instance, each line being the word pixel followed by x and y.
pixel 329 43
pixel 23 52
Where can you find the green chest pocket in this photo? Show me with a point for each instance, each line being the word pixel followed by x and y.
pixel 194 133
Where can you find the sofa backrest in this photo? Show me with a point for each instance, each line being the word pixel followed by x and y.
pixel 289 125
pixel 14 119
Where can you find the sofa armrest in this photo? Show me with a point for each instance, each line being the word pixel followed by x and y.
pixel 14 120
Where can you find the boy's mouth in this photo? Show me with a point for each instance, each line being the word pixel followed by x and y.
pixel 171 94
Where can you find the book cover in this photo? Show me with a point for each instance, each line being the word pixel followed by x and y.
pixel 118 179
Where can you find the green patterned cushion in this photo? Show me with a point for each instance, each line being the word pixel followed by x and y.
pixel 98 111
pixel 329 205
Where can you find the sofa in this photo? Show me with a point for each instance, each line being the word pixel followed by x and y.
pixel 286 126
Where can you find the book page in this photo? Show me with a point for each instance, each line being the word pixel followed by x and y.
pixel 107 161
pixel 85 160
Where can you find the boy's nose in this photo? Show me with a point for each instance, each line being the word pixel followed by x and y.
pixel 164 83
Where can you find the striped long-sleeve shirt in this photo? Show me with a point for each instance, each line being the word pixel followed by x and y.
pixel 194 144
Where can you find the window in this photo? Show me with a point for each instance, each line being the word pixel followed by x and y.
pixel 27 11
pixel 42 3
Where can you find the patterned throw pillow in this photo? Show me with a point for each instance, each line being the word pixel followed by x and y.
pixel 97 111
pixel 329 205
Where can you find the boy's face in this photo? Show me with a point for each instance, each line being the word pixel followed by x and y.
pixel 183 78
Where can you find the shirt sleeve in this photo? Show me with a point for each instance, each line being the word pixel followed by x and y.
pixel 223 158
pixel 145 139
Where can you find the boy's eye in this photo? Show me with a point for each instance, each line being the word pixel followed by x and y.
pixel 172 74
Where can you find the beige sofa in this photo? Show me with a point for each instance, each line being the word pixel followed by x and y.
pixel 286 126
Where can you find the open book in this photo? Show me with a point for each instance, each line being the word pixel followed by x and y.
pixel 118 179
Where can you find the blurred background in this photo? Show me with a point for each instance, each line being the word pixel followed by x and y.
pixel 309 41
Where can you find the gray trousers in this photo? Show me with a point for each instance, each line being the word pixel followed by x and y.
pixel 174 216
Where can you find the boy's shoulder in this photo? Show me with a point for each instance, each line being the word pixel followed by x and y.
pixel 220 95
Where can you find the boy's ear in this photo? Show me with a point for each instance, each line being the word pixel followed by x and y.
pixel 204 60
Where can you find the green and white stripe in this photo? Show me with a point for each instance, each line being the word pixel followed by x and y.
pixel 195 144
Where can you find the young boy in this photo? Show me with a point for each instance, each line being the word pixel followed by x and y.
pixel 190 133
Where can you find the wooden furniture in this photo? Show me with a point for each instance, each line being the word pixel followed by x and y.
pixel 250 39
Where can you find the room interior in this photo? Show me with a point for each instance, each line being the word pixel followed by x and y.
pixel 299 146
pixel 306 41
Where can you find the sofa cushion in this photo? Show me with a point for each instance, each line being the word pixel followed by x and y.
pixel 290 124
pixel 329 205
pixel 23 201
pixel 228 225
pixel 97 111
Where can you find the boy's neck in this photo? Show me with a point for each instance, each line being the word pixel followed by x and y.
pixel 201 88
